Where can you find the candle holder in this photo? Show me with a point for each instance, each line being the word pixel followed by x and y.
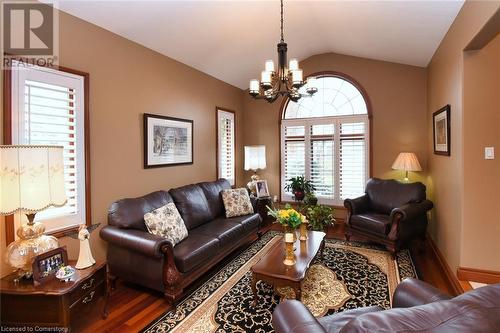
pixel 303 230
pixel 289 255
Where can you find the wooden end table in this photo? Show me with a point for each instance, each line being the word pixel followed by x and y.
pixel 68 305
pixel 271 269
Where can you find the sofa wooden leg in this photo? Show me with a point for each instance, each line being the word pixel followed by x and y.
pixel 348 236
pixel 173 296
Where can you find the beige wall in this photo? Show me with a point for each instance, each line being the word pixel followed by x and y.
pixel 127 80
pixel 481 124
pixel 445 76
pixel 398 98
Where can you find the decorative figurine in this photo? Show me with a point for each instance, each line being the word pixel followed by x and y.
pixel 85 258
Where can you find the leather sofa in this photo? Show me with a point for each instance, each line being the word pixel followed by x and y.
pixel 417 307
pixel 137 256
pixel 390 213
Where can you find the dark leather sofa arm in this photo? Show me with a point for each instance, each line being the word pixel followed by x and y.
pixel 357 205
pixel 412 292
pixel 292 316
pixel 412 210
pixel 136 240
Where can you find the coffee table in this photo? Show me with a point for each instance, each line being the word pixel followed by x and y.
pixel 271 269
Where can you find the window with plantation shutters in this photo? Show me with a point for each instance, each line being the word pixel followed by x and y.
pixel 47 109
pixel 325 139
pixel 225 146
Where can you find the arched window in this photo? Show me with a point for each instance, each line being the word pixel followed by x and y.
pixel 326 139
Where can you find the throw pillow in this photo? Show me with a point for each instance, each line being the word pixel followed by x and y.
pixel 166 222
pixel 237 202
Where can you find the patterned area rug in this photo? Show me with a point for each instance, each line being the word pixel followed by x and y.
pixel 350 275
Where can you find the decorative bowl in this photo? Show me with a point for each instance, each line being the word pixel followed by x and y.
pixel 65 273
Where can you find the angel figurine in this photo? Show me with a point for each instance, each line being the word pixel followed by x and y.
pixel 85 258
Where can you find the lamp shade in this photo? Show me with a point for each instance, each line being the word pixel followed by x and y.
pixel 407 162
pixel 255 157
pixel 31 178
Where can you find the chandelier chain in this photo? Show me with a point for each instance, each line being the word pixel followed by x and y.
pixel 282 38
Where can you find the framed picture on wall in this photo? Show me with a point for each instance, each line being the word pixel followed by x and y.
pixel 168 141
pixel 261 189
pixel 441 126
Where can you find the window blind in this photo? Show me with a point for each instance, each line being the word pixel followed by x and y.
pixel 322 159
pixel 353 163
pixel 226 158
pixel 294 152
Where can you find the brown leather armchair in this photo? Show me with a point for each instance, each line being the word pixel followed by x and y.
pixel 390 212
pixel 416 307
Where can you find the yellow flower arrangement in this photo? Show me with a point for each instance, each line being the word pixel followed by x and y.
pixel 288 217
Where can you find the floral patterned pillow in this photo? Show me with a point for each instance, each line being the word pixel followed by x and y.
pixel 237 202
pixel 166 222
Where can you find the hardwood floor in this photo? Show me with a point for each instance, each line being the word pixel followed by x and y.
pixel 132 308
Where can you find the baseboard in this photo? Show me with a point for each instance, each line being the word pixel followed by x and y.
pixel 450 276
pixel 478 275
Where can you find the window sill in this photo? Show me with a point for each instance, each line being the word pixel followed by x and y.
pixel 64 232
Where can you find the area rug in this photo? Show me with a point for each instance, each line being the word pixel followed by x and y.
pixel 349 276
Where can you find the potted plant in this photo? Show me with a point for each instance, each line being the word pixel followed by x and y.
pixel 310 199
pixel 299 186
pixel 319 217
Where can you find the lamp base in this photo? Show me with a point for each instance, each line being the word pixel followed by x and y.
pixel 251 183
pixel 31 242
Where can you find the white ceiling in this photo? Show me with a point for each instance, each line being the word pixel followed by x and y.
pixel 230 40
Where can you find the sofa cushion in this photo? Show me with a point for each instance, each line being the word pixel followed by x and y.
pixel 250 222
pixel 167 223
pixel 387 194
pixel 335 322
pixel 237 202
pixel 192 205
pixel 129 213
pixel 225 231
pixel 374 222
pixel 212 191
pixel 194 250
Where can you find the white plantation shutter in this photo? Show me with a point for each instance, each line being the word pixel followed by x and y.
pixel 48 110
pixel 225 141
pixel 325 139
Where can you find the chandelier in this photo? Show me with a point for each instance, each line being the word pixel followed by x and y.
pixel 283 82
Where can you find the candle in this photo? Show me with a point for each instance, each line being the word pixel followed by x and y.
pixel 297 76
pixel 265 77
pixel 254 86
pixel 311 82
pixel 288 238
pixel 293 64
pixel 269 66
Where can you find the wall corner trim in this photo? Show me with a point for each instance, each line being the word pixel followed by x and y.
pixel 478 275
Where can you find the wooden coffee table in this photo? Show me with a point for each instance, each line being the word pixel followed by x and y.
pixel 271 269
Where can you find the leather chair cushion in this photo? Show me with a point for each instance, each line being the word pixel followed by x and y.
pixel 192 205
pixel 334 323
pixel 387 194
pixel 250 222
pixel 212 191
pixel 225 231
pixel 195 250
pixel 374 222
pixel 129 213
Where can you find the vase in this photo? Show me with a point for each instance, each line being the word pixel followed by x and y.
pixel 289 230
pixel 299 195
pixel 303 231
pixel 289 251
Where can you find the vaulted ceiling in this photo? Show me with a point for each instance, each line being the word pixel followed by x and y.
pixel 230 40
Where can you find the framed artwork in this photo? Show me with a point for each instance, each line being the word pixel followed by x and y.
pixel 46 265
pixel 168 141
pixel 441 126
pixel 261 189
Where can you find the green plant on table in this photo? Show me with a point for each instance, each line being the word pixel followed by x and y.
pixel 319 217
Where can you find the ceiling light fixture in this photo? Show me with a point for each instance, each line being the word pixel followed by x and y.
pixel 284 82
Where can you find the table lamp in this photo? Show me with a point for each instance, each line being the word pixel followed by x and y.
pixel 255 159
pixel 31 180
pixel 407 162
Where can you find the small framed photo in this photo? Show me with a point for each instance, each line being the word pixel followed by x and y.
pixel 441 126
pixel 261 189
pixel 46 265
pixel 168 141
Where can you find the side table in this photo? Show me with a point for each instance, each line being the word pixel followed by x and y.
pixel 261 209
pixel 65 305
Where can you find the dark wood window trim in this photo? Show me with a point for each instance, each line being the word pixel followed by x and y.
pixel 217 109
pixel 362 90
pixel 7 140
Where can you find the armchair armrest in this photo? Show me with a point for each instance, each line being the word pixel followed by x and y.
pixel 136 240
pixel 292 316
pixel 412 210
pixel 412 292
pixel 357 205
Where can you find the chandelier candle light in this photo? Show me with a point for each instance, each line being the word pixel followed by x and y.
pixel 283 81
